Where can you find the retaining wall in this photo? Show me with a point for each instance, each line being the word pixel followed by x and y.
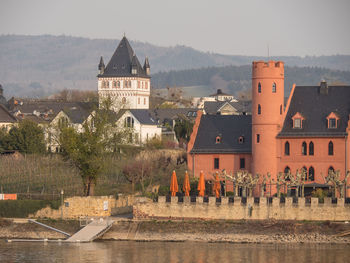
pixel 242 208
pixel 91 206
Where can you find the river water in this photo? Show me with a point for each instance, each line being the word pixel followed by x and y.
pixel 172 252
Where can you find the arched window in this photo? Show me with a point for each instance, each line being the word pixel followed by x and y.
pixel 330 148
pixel 281 110
pixel 123 100
pixel 129 122
pixel 118 84
pixel 259 87
pixel 114 84
pixel 259 109
pixel 286 148
pixel 311 174
pixel 304 149
pixel 311 148
pixel 274 87
pixel 287 170
pixel 330 169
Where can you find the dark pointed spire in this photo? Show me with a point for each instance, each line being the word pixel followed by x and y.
pixel 146 66
pixel 101 66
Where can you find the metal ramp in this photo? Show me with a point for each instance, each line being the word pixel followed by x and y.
pixel 91 231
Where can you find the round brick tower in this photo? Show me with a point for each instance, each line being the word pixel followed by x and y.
pixel 267 115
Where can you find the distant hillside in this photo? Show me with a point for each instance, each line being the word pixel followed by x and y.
pixel 37 66
pixel 233 79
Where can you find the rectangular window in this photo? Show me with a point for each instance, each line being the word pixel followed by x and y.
pixel 257 138
pixel 332 123
pixel 216 163
pixel 297 123
pixel 242 163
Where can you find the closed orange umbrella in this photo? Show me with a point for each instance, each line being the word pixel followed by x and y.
pixel 186 187
pixel 201 184
pixel 173 184
pixel 217 185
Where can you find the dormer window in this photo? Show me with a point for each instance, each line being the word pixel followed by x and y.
pixel 298 121
pixel 332 123
pixel 241 140
pixel 218 139
pixel 134 71
pixel 332 120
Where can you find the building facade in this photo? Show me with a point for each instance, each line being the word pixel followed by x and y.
pixel 310 132
pixel 124 80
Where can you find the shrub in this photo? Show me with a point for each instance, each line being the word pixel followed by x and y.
pixel 163 190
pixel 22 208
pixel 320 194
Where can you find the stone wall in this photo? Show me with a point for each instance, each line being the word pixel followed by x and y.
pixel 91 206
pixel 250 208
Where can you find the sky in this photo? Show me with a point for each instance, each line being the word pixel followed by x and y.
pixel 235 27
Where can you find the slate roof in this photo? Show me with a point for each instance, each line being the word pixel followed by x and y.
pixel 122 61
pixel 161 115
pixel 142 115
pixel 219 93
pixel 5 116
pixel 76 115
pixel 230 128
pixel 242 107
pixel 315 107
pixel 48 109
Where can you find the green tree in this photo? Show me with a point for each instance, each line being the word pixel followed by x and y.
pixel 183 129
pixel 28 137
pixel 87 149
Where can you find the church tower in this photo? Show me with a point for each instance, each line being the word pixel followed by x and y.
pixel 124 80
pixel 267 115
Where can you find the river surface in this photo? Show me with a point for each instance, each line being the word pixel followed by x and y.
pixel 171 252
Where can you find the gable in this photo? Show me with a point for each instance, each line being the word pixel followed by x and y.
pixel 227 109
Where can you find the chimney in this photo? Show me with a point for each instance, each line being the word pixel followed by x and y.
pixel 323 87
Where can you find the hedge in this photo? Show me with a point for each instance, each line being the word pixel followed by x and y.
pixel 23 208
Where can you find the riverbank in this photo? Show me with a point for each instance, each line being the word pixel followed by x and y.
pixel 201 231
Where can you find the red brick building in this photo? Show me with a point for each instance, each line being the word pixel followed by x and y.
pixel 310 132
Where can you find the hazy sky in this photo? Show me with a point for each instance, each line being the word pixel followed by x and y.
pixel 239 27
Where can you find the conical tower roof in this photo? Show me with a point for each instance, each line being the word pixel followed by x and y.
pixel 146 65
pixel 102 64
pixel 122 61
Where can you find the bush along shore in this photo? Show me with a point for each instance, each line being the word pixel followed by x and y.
pixel 201 231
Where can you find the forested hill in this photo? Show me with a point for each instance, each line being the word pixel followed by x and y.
pixel 233 79
pixel 37 66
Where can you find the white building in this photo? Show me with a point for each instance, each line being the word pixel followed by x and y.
pixel 198 102
pixel 142 126
pixel 124 80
